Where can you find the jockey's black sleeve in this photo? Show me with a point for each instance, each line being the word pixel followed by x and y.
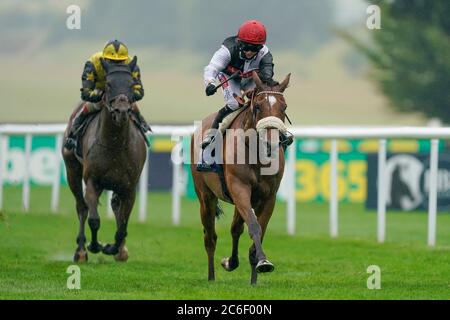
pixel 138 89
pixel 88 79
pixel 266 67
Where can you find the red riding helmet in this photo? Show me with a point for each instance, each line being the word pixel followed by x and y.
pixel 252 31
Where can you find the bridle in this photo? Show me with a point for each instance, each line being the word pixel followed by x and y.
pixel 267 93
pixel 108 105
pixel 107 100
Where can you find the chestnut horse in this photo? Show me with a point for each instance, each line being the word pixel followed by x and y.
pixel 252 193
pixel 113 156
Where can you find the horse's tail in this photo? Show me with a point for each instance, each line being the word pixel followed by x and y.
pixel 219 210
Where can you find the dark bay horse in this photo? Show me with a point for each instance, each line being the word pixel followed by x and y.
pixel 113 156
pixel 252 193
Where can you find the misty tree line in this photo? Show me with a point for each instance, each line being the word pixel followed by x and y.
pixel 196 25
pixel 410 55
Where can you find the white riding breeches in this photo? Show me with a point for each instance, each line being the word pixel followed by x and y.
pixel 234 87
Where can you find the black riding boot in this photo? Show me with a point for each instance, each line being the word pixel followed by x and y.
pixel 71 141
pixel 286 139
pixel 210 136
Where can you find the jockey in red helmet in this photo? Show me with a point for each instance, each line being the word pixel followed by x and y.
pixel 244 53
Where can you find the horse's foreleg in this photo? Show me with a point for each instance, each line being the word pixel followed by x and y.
pixel 91 198
pixel 208 216
pixel 237 228
pixel 80 253
pixel 264 212
pixel 122 206
pixel 241 194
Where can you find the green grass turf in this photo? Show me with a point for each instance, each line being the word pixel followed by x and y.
pixel 168 262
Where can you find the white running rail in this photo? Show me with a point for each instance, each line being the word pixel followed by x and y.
pixel 326 133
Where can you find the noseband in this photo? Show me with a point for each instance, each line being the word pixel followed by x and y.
pixel 268 122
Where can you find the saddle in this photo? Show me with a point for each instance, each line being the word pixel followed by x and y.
pixel 80 134
pixel 218 168
pixel 228 120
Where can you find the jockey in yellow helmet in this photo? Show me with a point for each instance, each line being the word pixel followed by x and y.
pixel 93 86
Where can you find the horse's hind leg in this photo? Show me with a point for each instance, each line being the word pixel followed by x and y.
pixel 74 179
pixel 91 198
pixel 237 228
pixel 208 216
pixel 122 206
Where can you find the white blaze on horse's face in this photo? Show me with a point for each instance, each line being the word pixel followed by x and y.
pixel 271 112
pixel 272 100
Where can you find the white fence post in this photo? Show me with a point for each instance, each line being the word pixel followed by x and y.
pixel 176 193
pixel 333 189
pixel 291 193
pixel 26 174
pixel 432 196
pixel 381 205
pixel 143 184
pixel 109 210
pixel 57 177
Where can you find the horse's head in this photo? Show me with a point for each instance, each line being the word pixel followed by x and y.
pixel 268 107
pixel 119 89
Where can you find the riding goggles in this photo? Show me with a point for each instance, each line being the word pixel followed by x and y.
pixel 250 47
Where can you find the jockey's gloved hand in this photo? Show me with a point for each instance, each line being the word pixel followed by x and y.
pixel 210 89
pixel 136 97
pixel 95 98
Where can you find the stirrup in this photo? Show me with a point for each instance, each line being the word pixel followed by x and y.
pixel 288 139
pixel 205 167
pixel 145 127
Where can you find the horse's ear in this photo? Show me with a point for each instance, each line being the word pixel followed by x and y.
pixel 105 64
pixel 133 63
pixel 249 93
pixel 285 83
pixel 258 82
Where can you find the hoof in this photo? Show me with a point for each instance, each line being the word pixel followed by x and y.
pixel 228 266
pixel 110 250
pixel 95 247
pixel 80 256
pixel 122 256
pixel 264 266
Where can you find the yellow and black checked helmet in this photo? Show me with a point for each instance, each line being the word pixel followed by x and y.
pixel 115 50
